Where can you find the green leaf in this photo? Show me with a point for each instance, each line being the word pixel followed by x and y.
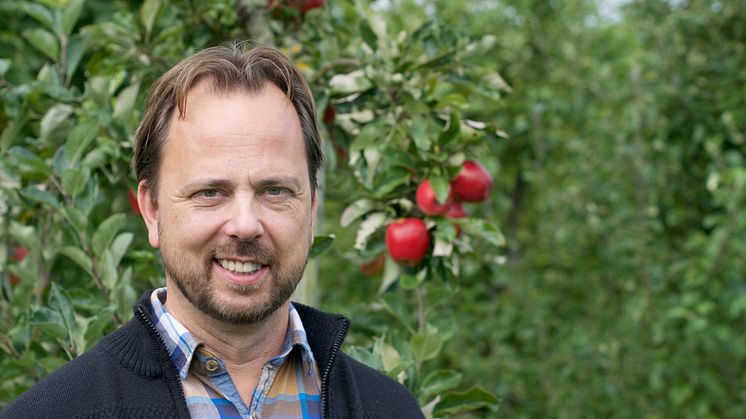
pixel 408 282
pixel 59 161
pixel 4 66
pixel 109 274
pixel 366 357
pixel 395 305
pixel 79 138
pixel 55 116
pixel 391 271
pixel 356 210
pixel 369 136
pixel 126 101
pixel 60 301
pixel 344 84
pixel 76 219
pixel 452 130
pixel 40 196
pixel 426 345
pixel 96 326
pixel 75 179
pixel 75 49
pixel 439 381
pixel 148 14
pixel 43 41
pixel 442 188
pixel 79 257
pixel 40 13
pixel 369 37
pixel 24 235
pixel 124 294
pixel 96 158
pixel 50 322
pixel 418 129
pixel 119 246
pixel 320 245
pixel 369 226
pixel 106 232
pixel 52 363
pixel 390 179
pixel 28 161
pixel 10 134
pixel 472 399
pixel 71 14
pixel 483 229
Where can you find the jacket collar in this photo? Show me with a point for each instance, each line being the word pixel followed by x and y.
pixel 325 332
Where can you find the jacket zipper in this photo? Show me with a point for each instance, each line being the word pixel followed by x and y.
pixel 150 324
pixel 325 377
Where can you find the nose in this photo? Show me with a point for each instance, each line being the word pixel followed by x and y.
pixel 244 222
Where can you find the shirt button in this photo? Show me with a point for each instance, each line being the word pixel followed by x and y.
pixel 212 365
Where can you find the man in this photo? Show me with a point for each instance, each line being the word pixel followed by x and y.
pixel 226 160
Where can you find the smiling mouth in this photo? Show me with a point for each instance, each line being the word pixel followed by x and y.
pixel 238 266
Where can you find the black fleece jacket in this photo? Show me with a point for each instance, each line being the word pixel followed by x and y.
pixel 129 375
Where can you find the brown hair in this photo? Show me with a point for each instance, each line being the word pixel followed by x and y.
pixel 228 68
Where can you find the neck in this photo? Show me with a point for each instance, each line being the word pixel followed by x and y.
pixel 244 347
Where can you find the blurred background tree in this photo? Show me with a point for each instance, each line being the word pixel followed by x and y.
pixel 614 133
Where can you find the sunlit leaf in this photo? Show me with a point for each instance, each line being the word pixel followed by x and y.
pixel 321 244
pixel 43 41
pixel 106 232
pixel 472 399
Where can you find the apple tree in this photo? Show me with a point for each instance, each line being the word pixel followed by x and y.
pixel 402 107
pixel 399 106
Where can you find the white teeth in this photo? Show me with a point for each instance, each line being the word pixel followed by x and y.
pixel 238 266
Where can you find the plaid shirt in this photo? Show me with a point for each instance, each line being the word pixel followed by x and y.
pixel 288 385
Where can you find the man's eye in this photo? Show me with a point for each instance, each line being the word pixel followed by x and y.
pixel 208 193
pixel 275 191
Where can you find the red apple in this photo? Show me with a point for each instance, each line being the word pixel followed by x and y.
pixel 329 114
pixel 20 253
pixel 301 5
pixel 428 202
pixel 13 280
pixel 306 5
pixel 133 202
pixel 456 210
pixel 407 241
pixel 473 183
pixel 374 267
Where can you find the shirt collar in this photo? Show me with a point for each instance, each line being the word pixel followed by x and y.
pixel 182 345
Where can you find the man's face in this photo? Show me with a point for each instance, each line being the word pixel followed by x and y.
pixel 234 213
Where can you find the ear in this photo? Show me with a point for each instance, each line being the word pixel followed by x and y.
pixel 149 211
pixel 314 208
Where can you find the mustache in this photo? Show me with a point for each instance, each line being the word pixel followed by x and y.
pixel 250 249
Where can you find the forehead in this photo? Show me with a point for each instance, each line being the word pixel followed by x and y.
pixel 235 128
pixel 214 108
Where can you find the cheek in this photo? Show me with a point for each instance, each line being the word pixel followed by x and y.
pixel 291 233
pixel 189 228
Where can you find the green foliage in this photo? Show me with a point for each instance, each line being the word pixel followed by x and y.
pixel 603 277
pixel 71 100
pixel 73 88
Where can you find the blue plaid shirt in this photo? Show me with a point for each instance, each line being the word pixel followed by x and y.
pixel 288 386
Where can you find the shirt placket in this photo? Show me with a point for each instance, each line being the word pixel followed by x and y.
pixel 215 370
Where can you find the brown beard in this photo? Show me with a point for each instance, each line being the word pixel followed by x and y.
pixel 194 281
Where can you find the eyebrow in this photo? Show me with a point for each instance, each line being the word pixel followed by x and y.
pixel 209 182
pixel 204 182
pixel 279 180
